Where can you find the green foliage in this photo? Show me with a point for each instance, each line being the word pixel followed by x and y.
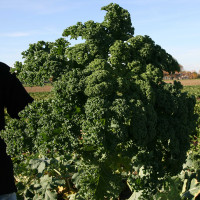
pixel 171 189
pixel 40 178
pixel 191 170
pixel 112 111
pixel 191 187
pixel 193 90
pixel 186 184
pixel 41 95
pixel 43 61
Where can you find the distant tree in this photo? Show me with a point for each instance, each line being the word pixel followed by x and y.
pixel 181 67
pixel 194 75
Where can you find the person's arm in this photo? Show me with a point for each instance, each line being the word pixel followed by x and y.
pixel 16 96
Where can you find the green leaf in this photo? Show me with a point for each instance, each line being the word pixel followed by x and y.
pixel 34 163
pixel 41 167
pixel 50 195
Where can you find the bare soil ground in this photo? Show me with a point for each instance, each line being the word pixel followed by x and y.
pixel 46 88
pixel 187 82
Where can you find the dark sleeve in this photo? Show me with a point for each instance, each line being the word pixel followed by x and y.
pixel 16 97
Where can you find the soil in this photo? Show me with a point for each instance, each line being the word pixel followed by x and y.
pixel 186 82
pixel 46 88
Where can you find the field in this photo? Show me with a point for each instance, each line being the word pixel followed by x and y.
pixel 47 88
pixel 192 86
pixel 187 82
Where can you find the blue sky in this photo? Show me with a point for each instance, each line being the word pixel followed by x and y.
pixel 172 24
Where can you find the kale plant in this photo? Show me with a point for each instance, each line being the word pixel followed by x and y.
pixel 112 111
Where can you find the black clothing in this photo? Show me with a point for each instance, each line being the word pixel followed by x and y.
pixel 14 97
